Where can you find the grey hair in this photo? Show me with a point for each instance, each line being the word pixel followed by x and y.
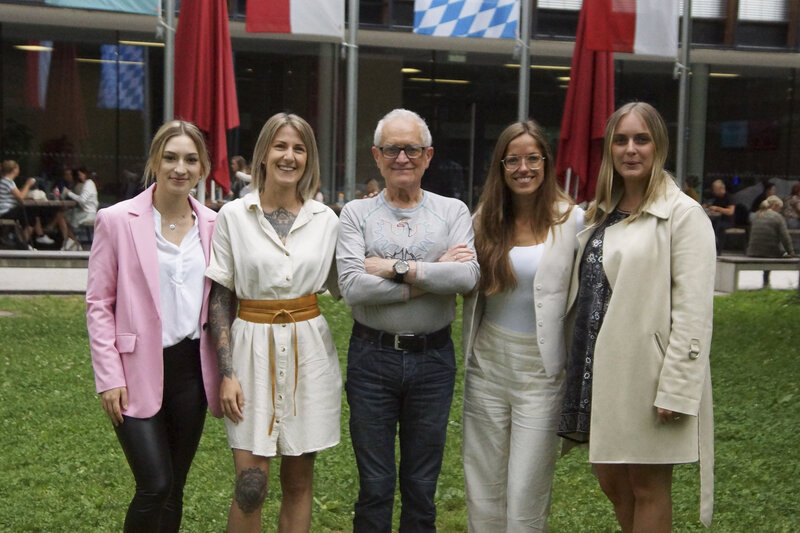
pixel 425 133
pixel 770 202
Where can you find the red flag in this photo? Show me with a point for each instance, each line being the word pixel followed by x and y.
pixel 589 103
pixel 633 26
pixel 205 88
pixel 310 17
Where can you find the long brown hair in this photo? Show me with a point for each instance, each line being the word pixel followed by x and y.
pixel 494 221
pixel 609 180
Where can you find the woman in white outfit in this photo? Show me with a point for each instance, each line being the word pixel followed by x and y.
pixel 281 386
pixel 86 210
pixel 525 229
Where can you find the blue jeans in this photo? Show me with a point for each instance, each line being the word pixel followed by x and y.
pixel 386 387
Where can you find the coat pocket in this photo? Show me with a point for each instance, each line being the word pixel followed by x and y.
pixel 126 342
pixel 662 350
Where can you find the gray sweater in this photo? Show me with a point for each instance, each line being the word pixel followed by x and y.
pixel 372 228
pixel 768 232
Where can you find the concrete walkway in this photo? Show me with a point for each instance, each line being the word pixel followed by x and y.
pixel 73 280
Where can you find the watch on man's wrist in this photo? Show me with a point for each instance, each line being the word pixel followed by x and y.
pixel 400 270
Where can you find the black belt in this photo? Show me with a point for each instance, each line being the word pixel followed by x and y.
pixel 409 343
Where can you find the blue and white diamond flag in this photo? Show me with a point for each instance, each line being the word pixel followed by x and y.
pixel 467 18
pixel 121 77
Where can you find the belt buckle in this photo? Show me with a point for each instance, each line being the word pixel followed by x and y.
pixel 398 341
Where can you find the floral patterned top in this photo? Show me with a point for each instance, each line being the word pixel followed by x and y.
pixel 594 293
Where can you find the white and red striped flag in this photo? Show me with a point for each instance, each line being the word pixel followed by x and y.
pixel 635 26
pixel 310 17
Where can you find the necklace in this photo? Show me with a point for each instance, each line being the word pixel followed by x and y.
pixel 172 227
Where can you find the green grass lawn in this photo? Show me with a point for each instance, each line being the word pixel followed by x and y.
pixel 61 468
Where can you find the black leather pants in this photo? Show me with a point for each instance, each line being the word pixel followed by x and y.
pixel 160 449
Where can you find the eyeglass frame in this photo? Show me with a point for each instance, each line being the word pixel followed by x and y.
pixel 521 158
pixel 403 149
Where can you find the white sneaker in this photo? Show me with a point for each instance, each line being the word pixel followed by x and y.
pixel 44 239
pixel 69 245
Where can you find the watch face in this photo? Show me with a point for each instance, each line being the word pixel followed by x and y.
pixel 401 267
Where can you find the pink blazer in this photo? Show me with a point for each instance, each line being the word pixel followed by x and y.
pixel 123 312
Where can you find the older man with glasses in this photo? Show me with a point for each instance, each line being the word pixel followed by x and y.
pixel 402 257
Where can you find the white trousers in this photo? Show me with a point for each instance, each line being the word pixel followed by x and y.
pixel 511 411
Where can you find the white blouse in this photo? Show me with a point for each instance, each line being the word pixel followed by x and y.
pixel 181 277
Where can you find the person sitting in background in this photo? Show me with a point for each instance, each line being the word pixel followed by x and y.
pixel 721 209
pixel 240 181
pixel 768 190
pixel 11 205
pixel 769 236
pixel 690 188
pixel 791 208
pixel 85 193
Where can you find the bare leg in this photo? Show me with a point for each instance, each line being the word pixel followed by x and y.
pixel 297 483
pixel 252 475
pixel 652 489
pixel 641 495
pixel 616 486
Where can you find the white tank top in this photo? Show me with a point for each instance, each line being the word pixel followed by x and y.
pixel 513 309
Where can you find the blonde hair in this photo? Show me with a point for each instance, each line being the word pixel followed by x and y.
pixel 770 202
pixel 494 223
pixel 9 166
pixel 309 181
pixel 175 128
pixel 608 180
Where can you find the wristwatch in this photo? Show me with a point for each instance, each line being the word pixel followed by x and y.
pixel 400 270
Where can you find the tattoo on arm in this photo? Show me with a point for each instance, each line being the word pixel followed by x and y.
pixel 282 220
pixel 220 309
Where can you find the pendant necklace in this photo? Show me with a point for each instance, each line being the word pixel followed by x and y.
pixel 172 227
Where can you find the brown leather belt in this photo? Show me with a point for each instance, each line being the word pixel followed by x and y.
pixel 280 312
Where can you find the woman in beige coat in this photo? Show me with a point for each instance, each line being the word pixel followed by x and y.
pixel 640 311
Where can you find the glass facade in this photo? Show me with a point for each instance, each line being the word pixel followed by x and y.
pixel 60 105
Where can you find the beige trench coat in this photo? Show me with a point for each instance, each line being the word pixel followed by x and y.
pixel 653 347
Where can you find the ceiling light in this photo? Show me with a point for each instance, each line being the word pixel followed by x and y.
pixel 440 80
pixel 409 70
pixel 722 75
pixel 142 43
pixel 33 48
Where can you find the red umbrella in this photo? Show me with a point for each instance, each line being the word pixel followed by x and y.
pixel 205 89
pixel 590 101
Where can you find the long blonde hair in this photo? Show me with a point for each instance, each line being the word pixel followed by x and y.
pixel 175 128
pixel 309 181
pixel 608 180
pixel 494 222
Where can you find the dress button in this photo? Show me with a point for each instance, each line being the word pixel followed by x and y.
pixel 538 286
pixel 539 304
pixel 288 278
pixel 283 325
pixel 283 348
pixel 540 323
pixel 281 373
pixel 280 396
pixel 541 340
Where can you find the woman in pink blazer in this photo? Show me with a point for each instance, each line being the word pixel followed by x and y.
pixel 146 312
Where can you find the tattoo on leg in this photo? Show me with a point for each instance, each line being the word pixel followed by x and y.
pixel 220 310
pixel 251 489
pixel 282 220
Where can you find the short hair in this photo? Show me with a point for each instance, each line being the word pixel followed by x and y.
pixel 717 183
pixel 608 179
pixel 309 181
pixel 770 202
pixel 424 131
pixel 9 166
pixel 796 189
pixel 175 128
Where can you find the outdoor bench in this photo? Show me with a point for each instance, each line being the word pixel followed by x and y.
pixel 728 267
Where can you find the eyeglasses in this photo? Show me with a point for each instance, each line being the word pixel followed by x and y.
pixel 391 151
pixel 513 162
